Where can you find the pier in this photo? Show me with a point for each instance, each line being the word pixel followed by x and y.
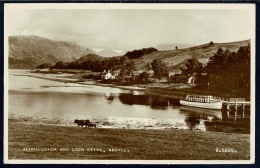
pixel 236 108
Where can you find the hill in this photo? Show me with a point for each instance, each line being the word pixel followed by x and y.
pixel 30 51
pixel 89 57
pixel 109 53
pixel 176 58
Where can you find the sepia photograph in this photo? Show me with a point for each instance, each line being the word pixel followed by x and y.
pixel 131 83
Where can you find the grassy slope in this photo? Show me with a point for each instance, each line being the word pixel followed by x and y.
pixel 174 58
pixel 142 144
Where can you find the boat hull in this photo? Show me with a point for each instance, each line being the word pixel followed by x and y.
pixel 207 105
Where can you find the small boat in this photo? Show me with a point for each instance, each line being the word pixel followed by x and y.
pixel 202 101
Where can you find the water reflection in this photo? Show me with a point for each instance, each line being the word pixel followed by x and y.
pixel 153 101
pixel 109 96
pixel 200 113
pixel 196 117
pixel 192 122
pixel 241 113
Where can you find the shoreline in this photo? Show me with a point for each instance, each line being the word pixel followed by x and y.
pixel 173 91
pixel 126 123
pixel 90 82
pixel 170 90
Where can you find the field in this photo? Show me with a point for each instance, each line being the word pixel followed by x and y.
pixel 123 144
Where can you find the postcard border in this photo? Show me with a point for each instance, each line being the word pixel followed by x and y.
pixel 252 7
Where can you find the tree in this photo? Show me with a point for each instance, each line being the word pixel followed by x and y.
pixel 43 66
pixel 192 67
pixel 218 62
pixel 130 66
pixel 59 65
pixel 122 73
pixel 160 69
pixel 143 77
pixel 127 68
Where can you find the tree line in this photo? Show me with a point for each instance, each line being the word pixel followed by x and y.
pixel 230 71
pixel 94 65
pixel 226 71
pixel 138 53
pixel 100 64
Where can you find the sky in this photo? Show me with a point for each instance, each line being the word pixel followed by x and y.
pixel 128 29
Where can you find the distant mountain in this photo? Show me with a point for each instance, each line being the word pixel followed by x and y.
pixel 164 47
pixel 30 51
pixel 109 53
pixel 123 52
pixel 176 58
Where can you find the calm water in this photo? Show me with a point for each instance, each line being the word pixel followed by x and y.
pixel 56 100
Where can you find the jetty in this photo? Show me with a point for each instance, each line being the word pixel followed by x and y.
pixel 236 108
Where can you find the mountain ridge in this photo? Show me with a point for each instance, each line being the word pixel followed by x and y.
pixel 36 50
pixel 31 51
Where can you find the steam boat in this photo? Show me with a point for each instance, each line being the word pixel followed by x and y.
pixel 208 102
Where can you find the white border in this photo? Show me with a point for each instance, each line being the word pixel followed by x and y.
pixel 12 7
pixel 127 6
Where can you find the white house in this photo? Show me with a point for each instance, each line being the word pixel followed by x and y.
pixel 191 80
pixel 107 75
